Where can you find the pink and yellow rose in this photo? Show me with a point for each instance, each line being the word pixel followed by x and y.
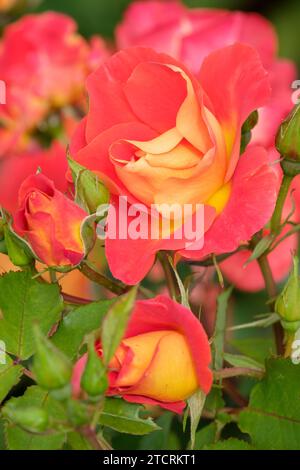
pixel 156 133
pixel 163 358
pixel 190 35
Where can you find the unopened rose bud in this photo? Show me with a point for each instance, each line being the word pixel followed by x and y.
pixel 51 368
pixel 250 122
pixel 288 139
pixel 162 359
pixel 31 418
pixel 287 304
pixel 90 191
pixel 94 379
pixel 50 222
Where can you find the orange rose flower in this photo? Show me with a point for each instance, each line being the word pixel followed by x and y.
pixel 163 358
pixel 50 222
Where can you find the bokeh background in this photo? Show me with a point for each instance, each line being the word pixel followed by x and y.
pixel 101 16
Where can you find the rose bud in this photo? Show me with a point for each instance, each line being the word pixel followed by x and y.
pixel 287 306
pixel 50 222
pixel 163 358
pixel 288 137
pixel 31 418
pixel 288 302
pixel 93 380
pixel 51 367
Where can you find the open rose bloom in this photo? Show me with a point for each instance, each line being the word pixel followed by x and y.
pixel 158 134
pixel 190 35
pixel 162 360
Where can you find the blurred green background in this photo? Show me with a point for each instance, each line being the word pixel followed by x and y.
pixel 101 16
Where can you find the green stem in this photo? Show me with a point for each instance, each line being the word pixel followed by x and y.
pixel 91 273
pixel 74 300
pixel 272 293
pixel 238 371
pixel 169 275
pixel 289 339
pixel 207 262
pixel 283 192
pixel 91 436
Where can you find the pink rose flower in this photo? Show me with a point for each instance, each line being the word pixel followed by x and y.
pixel 43 63
pixel 190 35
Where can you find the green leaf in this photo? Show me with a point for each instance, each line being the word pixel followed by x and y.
pixel 256 348
pixel 10 374
pixel 183 293
pixel 273 416
pixel 219 334
pixel 264 322
pixel 230 444
pixel 124 417
pixel 237 360
pixel 19 251
pixel 214 400
pixel 262 246
pixel 23 302
pixel 78 323
pixel 115 323
pixel 160 439
pixel 18 439
pixel 195 404
pixel 77 442
pixel 206 436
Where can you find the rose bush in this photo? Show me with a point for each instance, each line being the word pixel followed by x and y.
pixel 157 134
pixel 163 358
